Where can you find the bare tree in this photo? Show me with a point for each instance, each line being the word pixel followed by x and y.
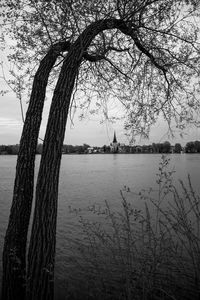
pixel 144 53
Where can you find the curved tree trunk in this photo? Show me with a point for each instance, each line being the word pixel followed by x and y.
pixel 14 253
pixel 42 244
pixel 41 254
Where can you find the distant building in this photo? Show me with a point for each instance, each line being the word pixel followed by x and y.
pixel 138 149
pixel 90 150
pixel 114 146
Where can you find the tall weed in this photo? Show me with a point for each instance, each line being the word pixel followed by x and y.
pixel 147 253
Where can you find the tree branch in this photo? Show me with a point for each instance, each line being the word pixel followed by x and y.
pixel 115 67
pixel 172 35
pixel 132 33
pixel 97 57
pixel 93 58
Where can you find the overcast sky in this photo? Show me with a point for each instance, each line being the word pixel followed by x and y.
pixel 88 131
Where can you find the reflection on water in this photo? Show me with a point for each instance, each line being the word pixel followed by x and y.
pixel 89 179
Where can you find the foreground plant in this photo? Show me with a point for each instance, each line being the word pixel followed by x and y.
pixel 147 253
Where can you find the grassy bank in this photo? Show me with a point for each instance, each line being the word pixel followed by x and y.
pixel 149 253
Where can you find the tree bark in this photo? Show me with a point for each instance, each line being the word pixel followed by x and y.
pixel 14 253
pixel 41 256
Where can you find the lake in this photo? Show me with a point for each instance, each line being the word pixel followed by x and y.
pixel 91 179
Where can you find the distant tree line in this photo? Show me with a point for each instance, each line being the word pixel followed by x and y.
pixel 166 147
pixel 9 149
pixel 13 149
pixel 192 147
pixel 79 149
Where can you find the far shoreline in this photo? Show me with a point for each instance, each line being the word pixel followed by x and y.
pixel 97 153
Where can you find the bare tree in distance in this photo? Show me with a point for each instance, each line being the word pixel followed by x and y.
pixel 143 53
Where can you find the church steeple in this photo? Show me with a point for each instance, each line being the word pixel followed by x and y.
pixel 114 145
pixel 114 138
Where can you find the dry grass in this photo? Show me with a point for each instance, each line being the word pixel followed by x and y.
pixel 153 253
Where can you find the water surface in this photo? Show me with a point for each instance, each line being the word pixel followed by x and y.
pixel 89 179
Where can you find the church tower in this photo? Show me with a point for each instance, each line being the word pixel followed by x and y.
pixel 114 145
pixel 114 138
